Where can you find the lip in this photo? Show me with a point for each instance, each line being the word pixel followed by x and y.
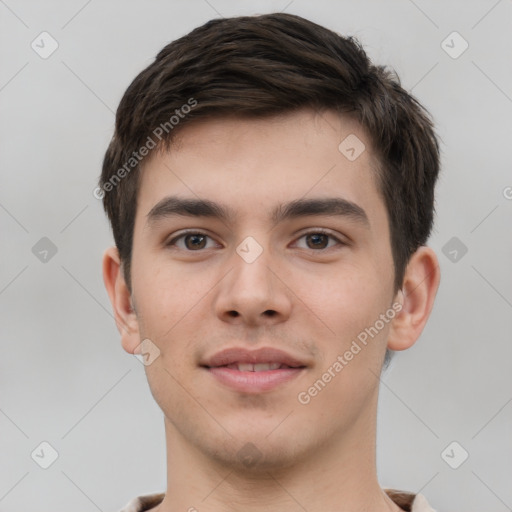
pixel 262 355
pixel 254 382
pixel 257 381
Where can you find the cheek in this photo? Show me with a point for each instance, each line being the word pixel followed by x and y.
pixel 165 295
pixel 344 308
pixel 343 298
pixel 173 309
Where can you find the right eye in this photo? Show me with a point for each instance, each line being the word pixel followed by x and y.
pixel 191 241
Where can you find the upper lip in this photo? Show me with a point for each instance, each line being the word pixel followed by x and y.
pixel 262 355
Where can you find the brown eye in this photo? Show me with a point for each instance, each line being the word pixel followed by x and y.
pixel 317 241
pixel 192 241
pixel 195 241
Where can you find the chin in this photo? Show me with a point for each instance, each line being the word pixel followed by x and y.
pixel 256 457
pixel 257 450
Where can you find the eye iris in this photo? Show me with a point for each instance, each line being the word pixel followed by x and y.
pixel 318 240
pixel 314 241
pixel 195 241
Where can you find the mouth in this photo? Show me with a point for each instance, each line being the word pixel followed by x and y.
pixel 253 371
pixel 257 379
pixel 258 367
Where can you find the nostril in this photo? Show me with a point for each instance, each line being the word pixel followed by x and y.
pixel 233 313
pixel 270 312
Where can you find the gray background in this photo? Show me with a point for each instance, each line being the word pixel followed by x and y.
pixel 64 377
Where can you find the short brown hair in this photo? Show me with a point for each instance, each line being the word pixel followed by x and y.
pixel 255 66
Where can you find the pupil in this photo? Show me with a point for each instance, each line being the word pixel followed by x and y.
pixel 195 241
pixel 318 240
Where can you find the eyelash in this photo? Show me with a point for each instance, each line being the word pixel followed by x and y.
pixel 318 231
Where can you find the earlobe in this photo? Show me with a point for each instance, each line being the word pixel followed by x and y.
pixel 121 299
pixel 420 284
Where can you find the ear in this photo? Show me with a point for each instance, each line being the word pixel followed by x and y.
pixel 420 284
pixel 120 297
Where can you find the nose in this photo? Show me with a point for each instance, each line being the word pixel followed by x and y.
pixel 253 293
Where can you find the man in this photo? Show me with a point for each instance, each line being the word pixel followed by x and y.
pixel 271 193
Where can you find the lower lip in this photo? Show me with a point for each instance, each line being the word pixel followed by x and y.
pixel 254 382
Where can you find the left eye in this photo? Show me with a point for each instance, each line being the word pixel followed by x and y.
pixel 319 240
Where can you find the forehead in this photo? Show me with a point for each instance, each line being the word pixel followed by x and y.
pixel 252 165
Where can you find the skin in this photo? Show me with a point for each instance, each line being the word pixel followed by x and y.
pixel 311 302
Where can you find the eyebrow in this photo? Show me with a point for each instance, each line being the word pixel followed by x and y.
pixel 331 206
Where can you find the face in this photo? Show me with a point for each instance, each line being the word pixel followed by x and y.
pixel 257 235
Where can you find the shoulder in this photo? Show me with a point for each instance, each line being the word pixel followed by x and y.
pixel 409 502
pixel 405 500
pixel 144 502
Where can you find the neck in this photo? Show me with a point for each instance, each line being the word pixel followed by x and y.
pixel 339 476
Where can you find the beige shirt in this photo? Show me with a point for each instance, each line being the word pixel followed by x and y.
pixel 405 500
